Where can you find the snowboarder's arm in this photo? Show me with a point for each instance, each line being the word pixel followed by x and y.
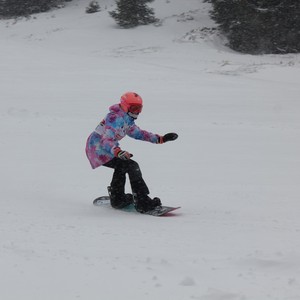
pixel 139 134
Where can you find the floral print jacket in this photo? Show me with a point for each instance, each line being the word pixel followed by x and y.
pixel 102 142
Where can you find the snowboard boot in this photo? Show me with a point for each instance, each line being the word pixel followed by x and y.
pixel 118 199
pixel 144 203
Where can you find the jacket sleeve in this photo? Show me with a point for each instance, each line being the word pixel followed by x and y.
pixel 139 134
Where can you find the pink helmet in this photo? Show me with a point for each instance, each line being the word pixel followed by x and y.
pixel 131 103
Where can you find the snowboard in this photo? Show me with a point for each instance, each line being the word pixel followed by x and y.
pixel 158 211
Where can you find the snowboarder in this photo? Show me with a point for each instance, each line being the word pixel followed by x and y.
pixel 102 148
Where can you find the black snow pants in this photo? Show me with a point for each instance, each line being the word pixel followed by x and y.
pixel 121 168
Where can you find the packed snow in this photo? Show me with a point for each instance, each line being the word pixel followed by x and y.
pixel 234 169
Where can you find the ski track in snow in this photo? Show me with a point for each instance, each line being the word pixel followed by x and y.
pixel 234 169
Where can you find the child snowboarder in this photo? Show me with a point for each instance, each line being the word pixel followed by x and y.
pixel 102 148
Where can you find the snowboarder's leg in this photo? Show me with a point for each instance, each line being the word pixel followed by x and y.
pixel 118 198
pixel 138 185
pixel 142 201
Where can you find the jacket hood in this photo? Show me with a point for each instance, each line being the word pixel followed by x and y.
pixel 116 108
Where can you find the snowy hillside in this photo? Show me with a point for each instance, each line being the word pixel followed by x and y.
pixel 235 168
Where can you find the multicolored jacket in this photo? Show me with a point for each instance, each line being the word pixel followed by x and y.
pixel 102 143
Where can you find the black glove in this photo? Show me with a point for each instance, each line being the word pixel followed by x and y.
pixel 169 137
pixel 124 155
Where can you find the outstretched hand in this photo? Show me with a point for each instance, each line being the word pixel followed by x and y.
pixel 169 137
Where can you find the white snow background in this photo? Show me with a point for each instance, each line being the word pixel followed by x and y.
pixel 235 168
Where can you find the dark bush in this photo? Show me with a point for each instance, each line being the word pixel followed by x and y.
pixel 93 7
pixel 16 8
pixel 131 13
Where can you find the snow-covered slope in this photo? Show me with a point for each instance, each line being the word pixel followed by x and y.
pixel 234 170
